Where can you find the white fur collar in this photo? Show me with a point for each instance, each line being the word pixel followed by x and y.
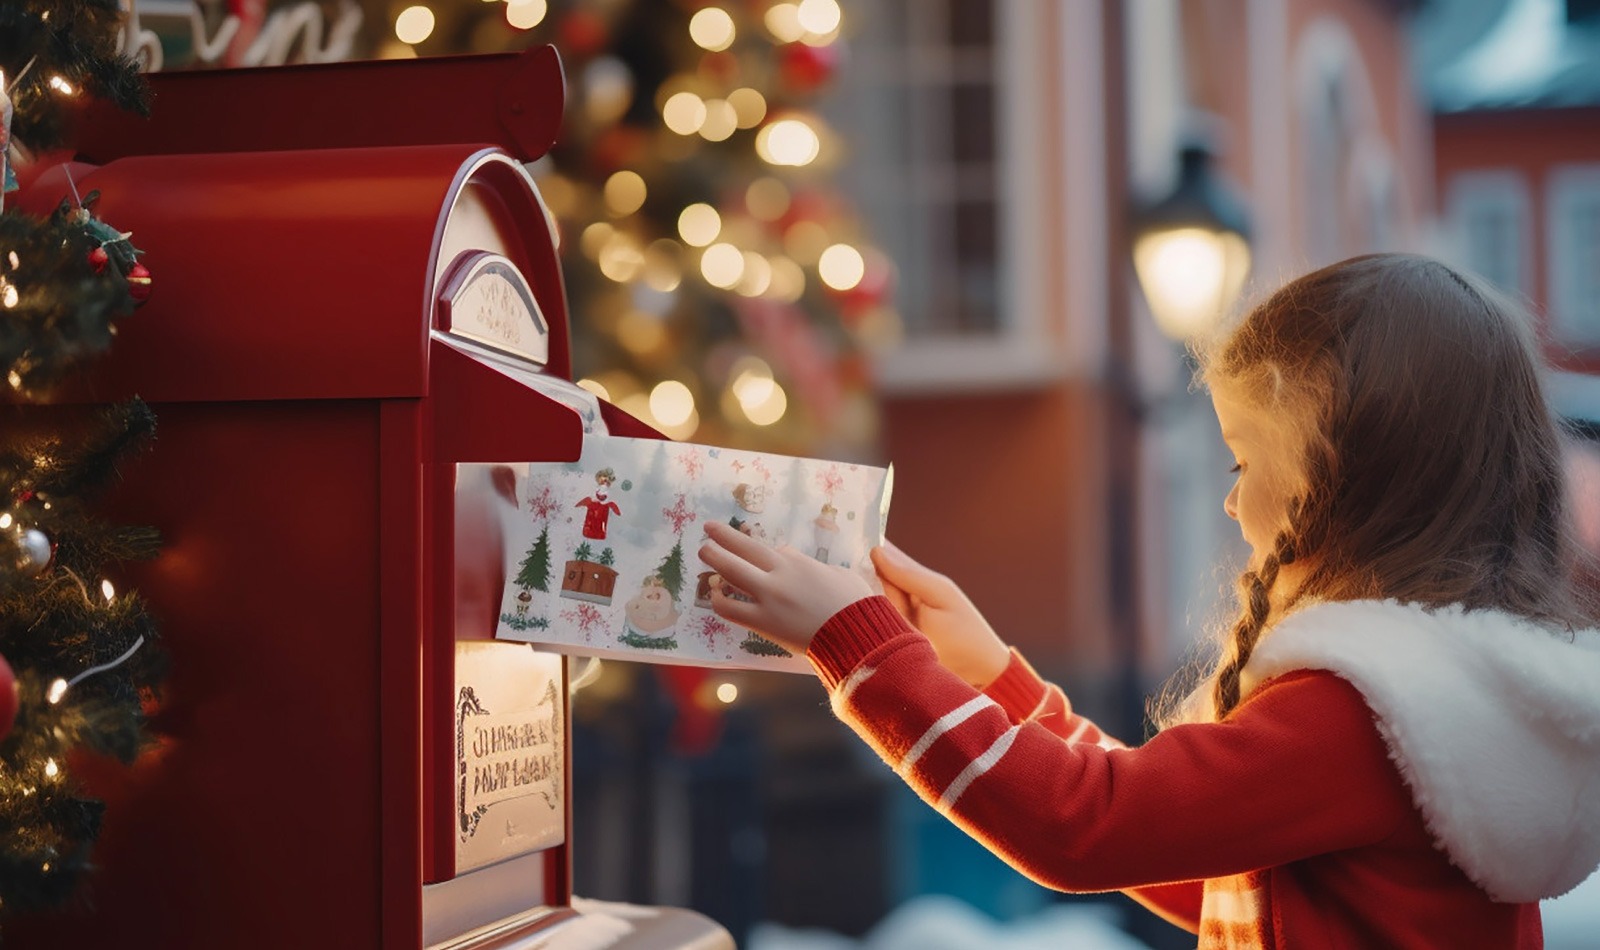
pixel 1494 723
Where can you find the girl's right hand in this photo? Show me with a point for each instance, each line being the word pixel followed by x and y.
pixel 966 644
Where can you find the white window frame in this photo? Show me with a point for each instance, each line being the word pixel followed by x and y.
pixel 1048 80
pixel 1497 190
pixel 1569 264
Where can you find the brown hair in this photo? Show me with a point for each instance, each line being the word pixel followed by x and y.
pixel 1432 466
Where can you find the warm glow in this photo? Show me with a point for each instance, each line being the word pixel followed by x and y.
pixel 818 16
pixel 752 384
pixel 414 24
pixel 757 275
pixel 6 521
pixel 727 692
pixel 788 142
pixel 621 260
pixel 767 199
pixel 1191 277
pixel 769 410
pixel 594 238
pixel 749 105
pixel 712 29
pixel 722 265
pixel 783 22
pixel 721 120
pixel 684 113
pixel 805 241
pixel 107 590
pixel 788 280
pixel 662 271
pixel 699 224
pixel 596 387
pixel 8 295
pixel 671 403
pixel 526 14
pixel 625 192
pixel 640 334
pixel 58 689
pixel 60 85
pixel 841 267
pixel 50 768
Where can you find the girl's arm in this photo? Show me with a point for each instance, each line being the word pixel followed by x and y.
pixel 1296 770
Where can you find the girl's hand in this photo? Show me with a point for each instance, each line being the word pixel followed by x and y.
pixel 791 595
pixel 966 644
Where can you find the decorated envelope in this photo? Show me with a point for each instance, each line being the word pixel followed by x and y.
pixel 602 553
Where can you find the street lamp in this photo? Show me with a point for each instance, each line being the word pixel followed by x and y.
pixel 1191 249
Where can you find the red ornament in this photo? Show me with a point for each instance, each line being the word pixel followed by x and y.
pixel 8 698
pixel 581 33
pixel 806 68
pixel 98 259
pixel 139 281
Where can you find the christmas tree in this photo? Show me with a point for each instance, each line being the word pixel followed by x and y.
pixel 81 652
pixel 721 287
pixel 671 571
pixel 535 571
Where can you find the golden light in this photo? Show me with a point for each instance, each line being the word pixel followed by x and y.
pixel 58 689
pixel 526 14
pixel 107 590
pixel 712 29
pixel 788 280
pixel 783 22
pixel 841 267
pixel 767 198
pixel 640 334
pixel 752 385
pixel 721 121
pixel 662 268
pixel 699 224
pixel 805 241
pixel 671 403
pixel 757 275
pixel 749 105
pixel 6 521
pixel 684 113
pixel 51 769
pixel 8 295
pixel 621 260
pixel 722 265
pixel 414 24
pixel 727 692
pixel 789 142
pixel 12 255
pixel 1191 276
pixel 769 410
pixel 818 16
pixel 594 238
pixel 59 84
pixel 625 192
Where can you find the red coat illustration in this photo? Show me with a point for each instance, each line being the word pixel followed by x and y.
pixel 598 516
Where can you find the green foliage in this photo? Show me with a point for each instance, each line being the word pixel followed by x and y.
pixel 671 571
pixel 73 39
pixel 583 553
pixel 535 572
pixel 608 557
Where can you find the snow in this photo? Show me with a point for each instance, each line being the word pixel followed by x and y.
pixel 937 922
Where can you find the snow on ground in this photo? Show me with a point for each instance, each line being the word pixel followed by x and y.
pixel 936 922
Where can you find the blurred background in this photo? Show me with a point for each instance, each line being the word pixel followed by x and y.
pixel 971 237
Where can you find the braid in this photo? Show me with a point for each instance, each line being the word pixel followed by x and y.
pixel 1257 590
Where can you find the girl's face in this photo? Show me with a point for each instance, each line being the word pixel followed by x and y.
pixel 1265 462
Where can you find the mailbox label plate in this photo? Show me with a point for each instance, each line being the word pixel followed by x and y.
pixel 487 300
pixel 510 752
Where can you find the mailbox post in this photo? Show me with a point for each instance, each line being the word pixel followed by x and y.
pixel 345 343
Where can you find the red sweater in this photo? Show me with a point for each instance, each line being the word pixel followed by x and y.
pixel 1285 825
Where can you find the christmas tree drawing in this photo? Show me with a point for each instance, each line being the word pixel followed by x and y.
pixel 671 571
pixel 534 574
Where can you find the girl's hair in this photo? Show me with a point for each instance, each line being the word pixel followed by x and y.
pixel 1431 463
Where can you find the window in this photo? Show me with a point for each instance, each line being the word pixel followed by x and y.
pixel 1573 214
pixel 1488 219
pixel 953 110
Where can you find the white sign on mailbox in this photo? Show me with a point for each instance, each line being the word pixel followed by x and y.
pixel 487 300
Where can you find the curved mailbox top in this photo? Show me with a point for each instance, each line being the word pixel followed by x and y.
pixel 313 274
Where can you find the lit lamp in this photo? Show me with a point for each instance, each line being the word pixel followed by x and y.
pixel 1191 249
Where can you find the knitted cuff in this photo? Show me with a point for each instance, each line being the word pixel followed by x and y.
pixel 1018 689
pixel 852 633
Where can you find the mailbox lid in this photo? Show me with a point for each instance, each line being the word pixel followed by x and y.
pixel 302 275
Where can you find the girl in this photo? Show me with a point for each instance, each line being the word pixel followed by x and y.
pixel 1399 744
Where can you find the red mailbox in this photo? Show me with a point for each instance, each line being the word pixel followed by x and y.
pixel 339 339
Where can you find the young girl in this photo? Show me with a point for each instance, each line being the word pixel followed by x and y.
pixel 1399 745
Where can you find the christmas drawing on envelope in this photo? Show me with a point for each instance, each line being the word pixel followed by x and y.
pixel 606 548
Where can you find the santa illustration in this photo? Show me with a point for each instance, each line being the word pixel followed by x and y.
pixel 650 617
pixel 601 508
pixel 826 528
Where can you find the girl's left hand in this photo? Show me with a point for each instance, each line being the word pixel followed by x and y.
pixel 791 595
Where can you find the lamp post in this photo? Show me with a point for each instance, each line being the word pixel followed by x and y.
pixel 1191 249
